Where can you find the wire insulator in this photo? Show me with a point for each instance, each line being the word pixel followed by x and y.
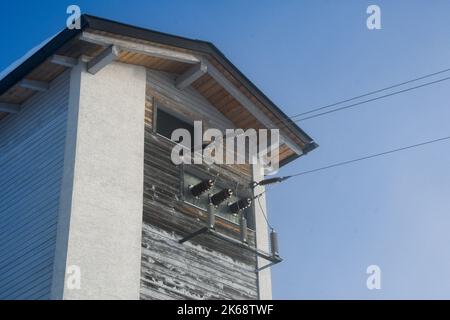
pixel 242 204
pixel 201 187
pixel 221 196
pixel 211 217
pixel 271 181
pixel 243 224
pixel 274 243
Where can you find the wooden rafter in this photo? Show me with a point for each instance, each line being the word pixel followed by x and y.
pixel 34 85
pixel 9 107
pixel 191 75
pixel 103 59
pixel 63 61
pixel 247 104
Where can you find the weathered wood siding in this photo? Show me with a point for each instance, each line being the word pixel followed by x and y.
pixel 204 268
pixel 31 162
pixel 187 102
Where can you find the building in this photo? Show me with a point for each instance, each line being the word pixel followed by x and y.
pixel 88 189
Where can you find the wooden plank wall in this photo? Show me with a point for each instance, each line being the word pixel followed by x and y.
pixel 31 166
pixel 187 102
pixel 206 268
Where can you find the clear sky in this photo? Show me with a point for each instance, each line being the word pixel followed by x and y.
pixel 392 211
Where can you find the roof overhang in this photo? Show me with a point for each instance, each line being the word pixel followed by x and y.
pixel 197 62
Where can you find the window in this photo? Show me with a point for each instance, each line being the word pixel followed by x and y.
pixel 166 123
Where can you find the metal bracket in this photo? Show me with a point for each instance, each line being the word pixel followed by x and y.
pixel 205 230
pixel 273 257
pixel 269 265
pixel 194 234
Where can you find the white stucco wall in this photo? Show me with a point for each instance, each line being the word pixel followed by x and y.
pixel 262 236
pixel 100 220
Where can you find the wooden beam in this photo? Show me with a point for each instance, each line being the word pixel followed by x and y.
pixel 191 75
pixel 141 48
pixel 9 107
pixel 34 85
pixel 103 59
pixel 248 105
pixel 63 61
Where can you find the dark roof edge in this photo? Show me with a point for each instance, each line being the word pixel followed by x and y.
pixel 289 159
pixel 308 148
pixel 38 57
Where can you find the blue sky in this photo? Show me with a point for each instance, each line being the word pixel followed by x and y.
pixel 392 211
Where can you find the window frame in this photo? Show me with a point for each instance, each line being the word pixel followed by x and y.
pixel 177 115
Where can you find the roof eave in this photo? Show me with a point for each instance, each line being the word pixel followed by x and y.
pixel 39 57
pixel 101 24
pixel 204 47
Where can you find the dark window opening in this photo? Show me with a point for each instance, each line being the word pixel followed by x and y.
pixel 166 123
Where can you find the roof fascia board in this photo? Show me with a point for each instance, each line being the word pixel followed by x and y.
pixel 110 26
pixel 141 48
pixel 39 57
pixel 254 90
pixel 247 104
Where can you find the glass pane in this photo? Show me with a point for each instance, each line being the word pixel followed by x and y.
pixel 167 123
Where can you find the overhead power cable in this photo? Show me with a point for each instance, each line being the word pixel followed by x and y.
pixel 292 119
pixel 264 213
pixel 281 179
pixel 368 94
pixel 289 120
pixel 274 180
pixel 370 100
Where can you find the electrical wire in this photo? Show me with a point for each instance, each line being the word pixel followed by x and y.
pixel 292 119
pixel 370 100
pixel 368 157
pixel 369 93
pixel 258 196
pixel 264 214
